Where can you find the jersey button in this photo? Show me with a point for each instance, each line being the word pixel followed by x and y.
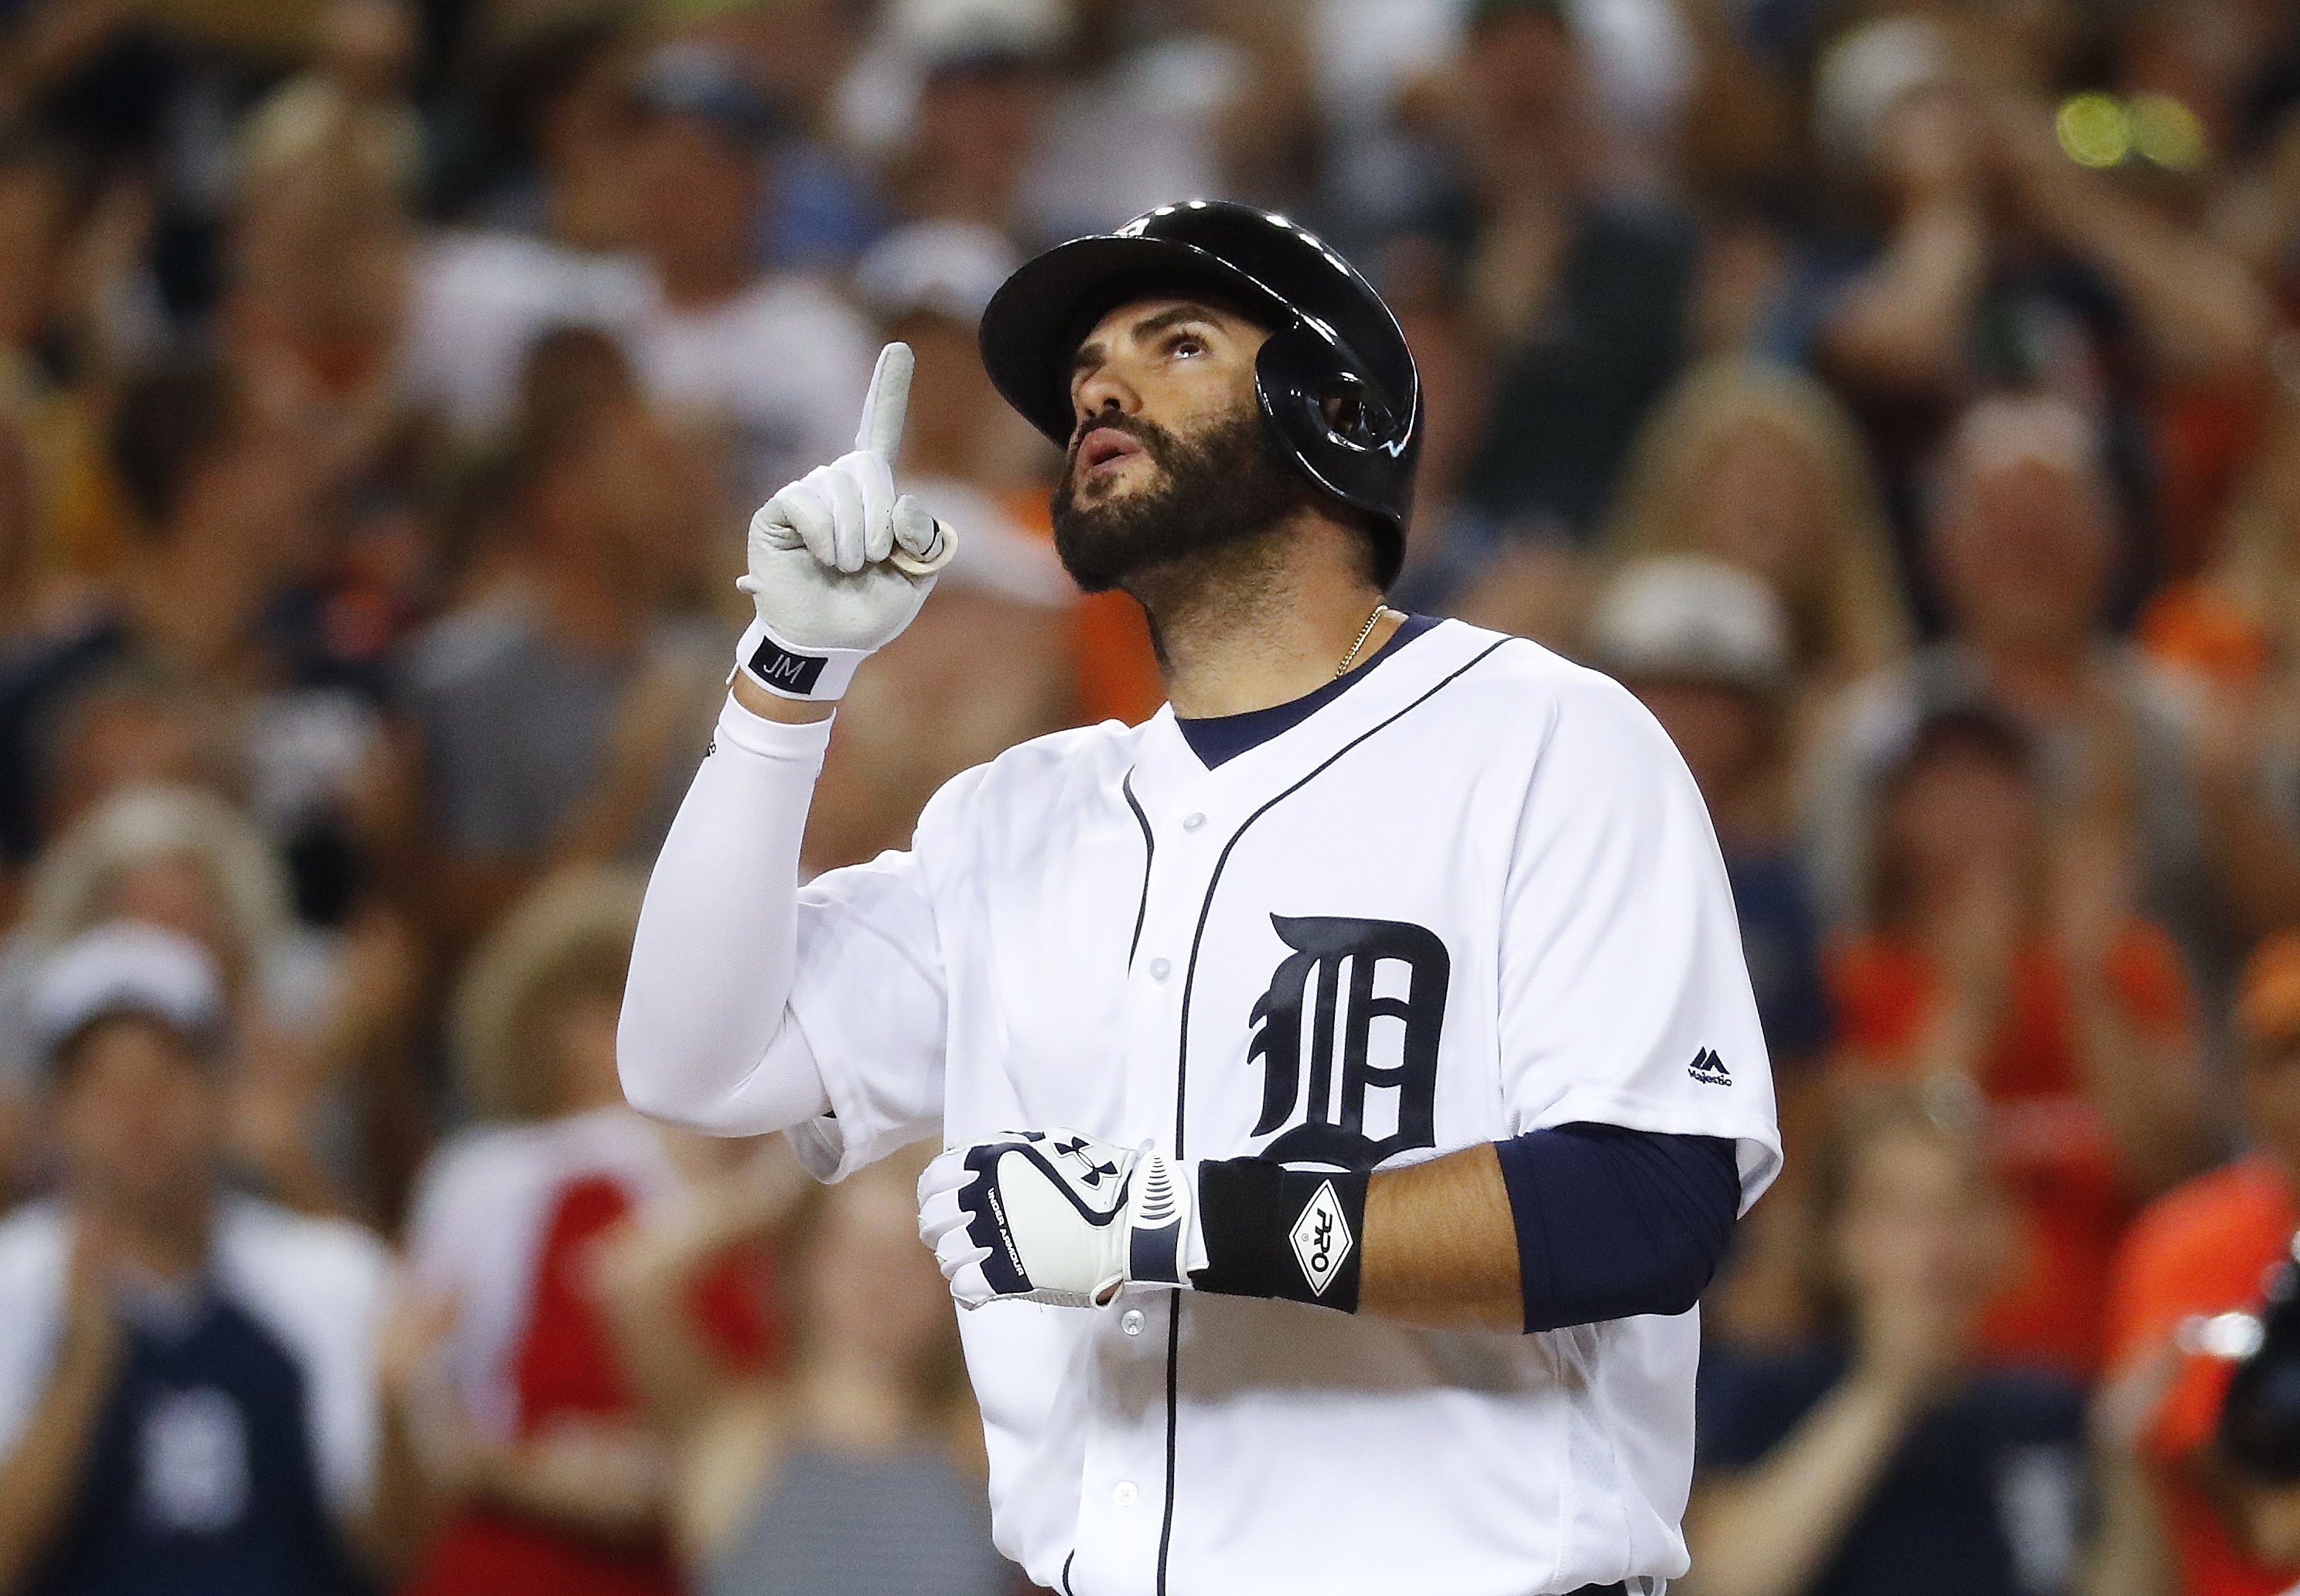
pixel 1192 822
pixel 1131 1321
pixel 1124 1493
pixel 1160 970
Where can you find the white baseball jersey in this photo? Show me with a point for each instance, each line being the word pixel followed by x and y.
pixel 1474 894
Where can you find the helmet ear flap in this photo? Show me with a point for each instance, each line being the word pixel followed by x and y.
pixel 1341 431
pixel 1318 404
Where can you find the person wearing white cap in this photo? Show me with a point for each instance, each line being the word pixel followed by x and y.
pixel 1705 646
pixel 772 362
pixel 187 1378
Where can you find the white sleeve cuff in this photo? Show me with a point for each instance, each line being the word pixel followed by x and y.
pixel 798 741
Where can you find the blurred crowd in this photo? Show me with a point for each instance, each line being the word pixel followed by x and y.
pixel 1902 396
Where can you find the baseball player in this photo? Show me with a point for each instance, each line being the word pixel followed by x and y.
pixel 1348 1077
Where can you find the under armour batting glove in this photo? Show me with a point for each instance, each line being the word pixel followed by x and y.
pixel 838 564
pixel 1055 1217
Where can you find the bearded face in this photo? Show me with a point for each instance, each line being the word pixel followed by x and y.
pixel 1216 488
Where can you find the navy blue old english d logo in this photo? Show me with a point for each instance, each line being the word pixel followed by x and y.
pixel 1332 1127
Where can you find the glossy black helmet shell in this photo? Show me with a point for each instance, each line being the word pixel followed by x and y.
pixel 1337 386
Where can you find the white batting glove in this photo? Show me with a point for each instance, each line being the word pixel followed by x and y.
pixel 838 565
pixel 1056 1216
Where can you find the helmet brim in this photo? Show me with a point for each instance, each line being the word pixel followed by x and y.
pixel 1034 324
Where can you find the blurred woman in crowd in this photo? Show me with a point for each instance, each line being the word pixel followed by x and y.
pixel 545 1475
pixel 858 1470
pixel 321 1022
pixel 2004 964
pixel 1755 463
pixel 1900 1454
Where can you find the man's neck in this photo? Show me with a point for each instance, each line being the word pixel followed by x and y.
pixel 1262 622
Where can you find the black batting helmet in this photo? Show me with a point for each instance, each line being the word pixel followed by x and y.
pixel 1337 386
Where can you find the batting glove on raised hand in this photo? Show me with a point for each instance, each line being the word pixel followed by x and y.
pixel 1056 1216
pixel 838 564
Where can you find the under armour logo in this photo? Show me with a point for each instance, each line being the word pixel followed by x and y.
pixel 1708 1069
pixel 1075 1148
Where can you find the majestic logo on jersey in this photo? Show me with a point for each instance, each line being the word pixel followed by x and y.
pixel 1321 1239
pixel 1708 1069
pixel 1346 1093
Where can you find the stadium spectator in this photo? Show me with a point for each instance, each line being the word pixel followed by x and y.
pixel 1899 1455
pixel 1705 646
pixel 550 245
pixel 2004 962
pixel 775 363
pixel 1580 292
pixel 518 699
pixel 223 528
pixel 1997 262
pixel 320 1024
pixel 2020 537
pixel 1757 464
pixel 189 1385
pixel 2206 1250
pixel 857 1468
pixel 1003 646
pixel 543 1476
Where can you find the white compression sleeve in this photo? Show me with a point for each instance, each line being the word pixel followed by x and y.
pixel 703 1039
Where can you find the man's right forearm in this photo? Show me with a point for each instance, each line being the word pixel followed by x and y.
pixel 702 1041
pixel 41 1477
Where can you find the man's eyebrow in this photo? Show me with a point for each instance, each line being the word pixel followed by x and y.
pixel 1092 355
pixel 1173 316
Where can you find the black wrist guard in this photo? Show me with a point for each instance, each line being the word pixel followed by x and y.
pixel 1274 1232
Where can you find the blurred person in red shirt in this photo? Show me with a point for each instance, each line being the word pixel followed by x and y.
pixel 2206 1250
pixel 856 1471
pixel 547 1479
pixel 2005 962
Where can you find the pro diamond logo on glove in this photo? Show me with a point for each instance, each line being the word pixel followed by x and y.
pixel 1321 1239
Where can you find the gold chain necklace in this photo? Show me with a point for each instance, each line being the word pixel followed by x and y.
pixel 1364 632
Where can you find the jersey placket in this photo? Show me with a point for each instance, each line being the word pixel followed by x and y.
pixel 1129 1452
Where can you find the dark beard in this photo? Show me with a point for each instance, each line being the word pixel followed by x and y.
pixel 1214 491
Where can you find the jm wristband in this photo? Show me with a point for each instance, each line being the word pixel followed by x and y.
pixel 1274 1232
pixel 815 674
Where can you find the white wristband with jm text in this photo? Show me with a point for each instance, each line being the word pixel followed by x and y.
pixel 811 675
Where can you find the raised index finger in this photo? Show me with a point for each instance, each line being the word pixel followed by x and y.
pixel 888 403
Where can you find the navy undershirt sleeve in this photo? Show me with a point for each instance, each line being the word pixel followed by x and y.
pixel 1611 1222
